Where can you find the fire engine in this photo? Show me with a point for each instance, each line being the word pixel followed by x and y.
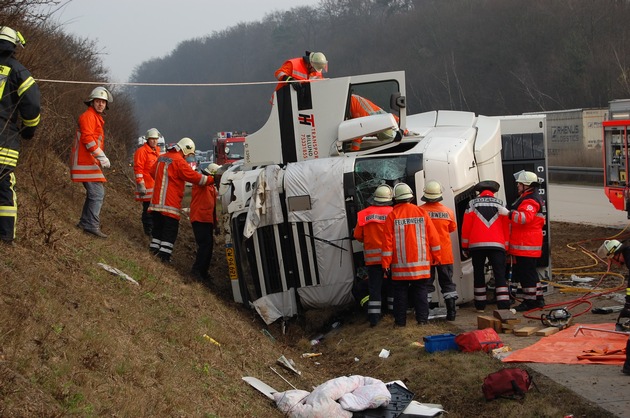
pixel 290 206
pixel 229 147
pixel 616 130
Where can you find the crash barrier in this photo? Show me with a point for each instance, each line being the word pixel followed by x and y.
pixel 592 176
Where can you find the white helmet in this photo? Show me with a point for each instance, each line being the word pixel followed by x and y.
pixel 527 178
pixel 152 133
pixel 318 61
pixel 382 195
pixel 11 35
pixel 211 169
pixel 432 192
pixel 608 248
pixel 100 93
pixel 402 192
pixel 186 146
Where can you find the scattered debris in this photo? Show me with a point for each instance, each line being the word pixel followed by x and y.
pixel 282 377
pixel 118 273
pixel 268 335
pixel 384 353
pixel 309 355
pixel 212 340
pixel 288 364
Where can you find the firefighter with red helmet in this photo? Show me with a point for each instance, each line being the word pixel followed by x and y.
pixel 19 117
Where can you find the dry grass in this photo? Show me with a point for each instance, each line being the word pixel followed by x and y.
pixel 77 341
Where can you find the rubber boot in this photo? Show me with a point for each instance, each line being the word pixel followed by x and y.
pixel 623 321
pixel 450 309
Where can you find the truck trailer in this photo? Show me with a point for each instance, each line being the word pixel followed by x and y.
pixel 290 206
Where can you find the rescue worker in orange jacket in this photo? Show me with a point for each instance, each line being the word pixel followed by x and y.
pixel 203 219
pixel 444 220
pixel 88 159
pixel 143 159
pixel 361 107
pixel 309 67
pixel 369 231
pixel 19 117
pixel 172 171
pixel 411 245
pixel 527 219
pixel 485 234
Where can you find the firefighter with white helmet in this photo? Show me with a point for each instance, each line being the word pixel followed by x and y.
pixel 203 219
pixel 444 220
pixel 369 231
pixel 527 219
pixel 308 67
pixel 19 118
pixel 408 256
pixel 88 159
pixel 143 159
pixel 171 172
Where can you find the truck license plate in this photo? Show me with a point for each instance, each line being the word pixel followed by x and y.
pixel 231 261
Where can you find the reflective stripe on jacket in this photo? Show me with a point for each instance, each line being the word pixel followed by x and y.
pixel 411 243
pixel 171 174
pixel 527 220
pixel 483 227
pixel 89 142
pixel 295 68
pixel 369 231
pixel 19 99
pixel 444 221
pixel 143 159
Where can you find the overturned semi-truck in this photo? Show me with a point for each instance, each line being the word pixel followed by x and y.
pixel 290 206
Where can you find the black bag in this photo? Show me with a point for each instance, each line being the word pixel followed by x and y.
pixel 510 383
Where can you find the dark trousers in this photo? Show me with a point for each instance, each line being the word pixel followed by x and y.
pixel 147 218
pixel 163 236
pixel 524 272
pixel 496 258
pixel 205 243
pixel 375 288
pixel 8 205
pixel 444 273
pixel 417 290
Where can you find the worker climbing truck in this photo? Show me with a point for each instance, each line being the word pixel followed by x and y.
pixel 290 206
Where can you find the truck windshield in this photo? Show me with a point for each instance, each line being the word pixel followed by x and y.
pixel 236 150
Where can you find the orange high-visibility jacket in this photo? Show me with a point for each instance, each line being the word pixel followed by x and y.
pixel 526 225
pixel 444 221
pixel 483 228
pixel 89 142
pixel 295 68
pixel 203 204
pixel 361 107
pixel 171 174
pixel 411 243
pixel 143 159
pixel 369 231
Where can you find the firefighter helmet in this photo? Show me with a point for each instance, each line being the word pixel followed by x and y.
pixel 211 169
pixel 152 133
pixel 382 195
pixel 100 93
pixel 318 61
pixel 12 36
pixel 608 248
pixel 491 185
pixel 432 192
pixel 186 146
pixel 402 192
pixel 527 178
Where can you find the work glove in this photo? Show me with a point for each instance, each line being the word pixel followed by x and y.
pixel 27 132
pixel 104 161
pixel 141 189
pixel 503 211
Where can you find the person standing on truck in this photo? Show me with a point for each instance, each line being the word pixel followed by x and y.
pixel 527 219
pixel 308 67
pixel 172 171
pixel 143 159
pixel 88 159
pixel 485 235
pixel 444 220
pixel 411 245
pixel 369 231
pixel 19 117
pixel 203 219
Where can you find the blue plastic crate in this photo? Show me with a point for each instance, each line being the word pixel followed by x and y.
pixel 441 342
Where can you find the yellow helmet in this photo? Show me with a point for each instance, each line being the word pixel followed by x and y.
pixel 100 93
pixel 608 248
pixel 527 178
pixel 382 195
pixel 152 133
pixel 318 61
pixel 186 146
pixel 11 35
pixel 432 192
pixel 211 169
pixel 402 192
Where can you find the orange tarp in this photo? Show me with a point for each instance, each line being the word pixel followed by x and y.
pixel 587 347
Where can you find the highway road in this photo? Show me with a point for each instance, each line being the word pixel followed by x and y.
pixel 584 204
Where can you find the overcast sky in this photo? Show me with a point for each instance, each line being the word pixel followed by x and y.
pixel 129 32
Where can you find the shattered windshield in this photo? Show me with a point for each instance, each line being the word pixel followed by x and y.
pixel 369 173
